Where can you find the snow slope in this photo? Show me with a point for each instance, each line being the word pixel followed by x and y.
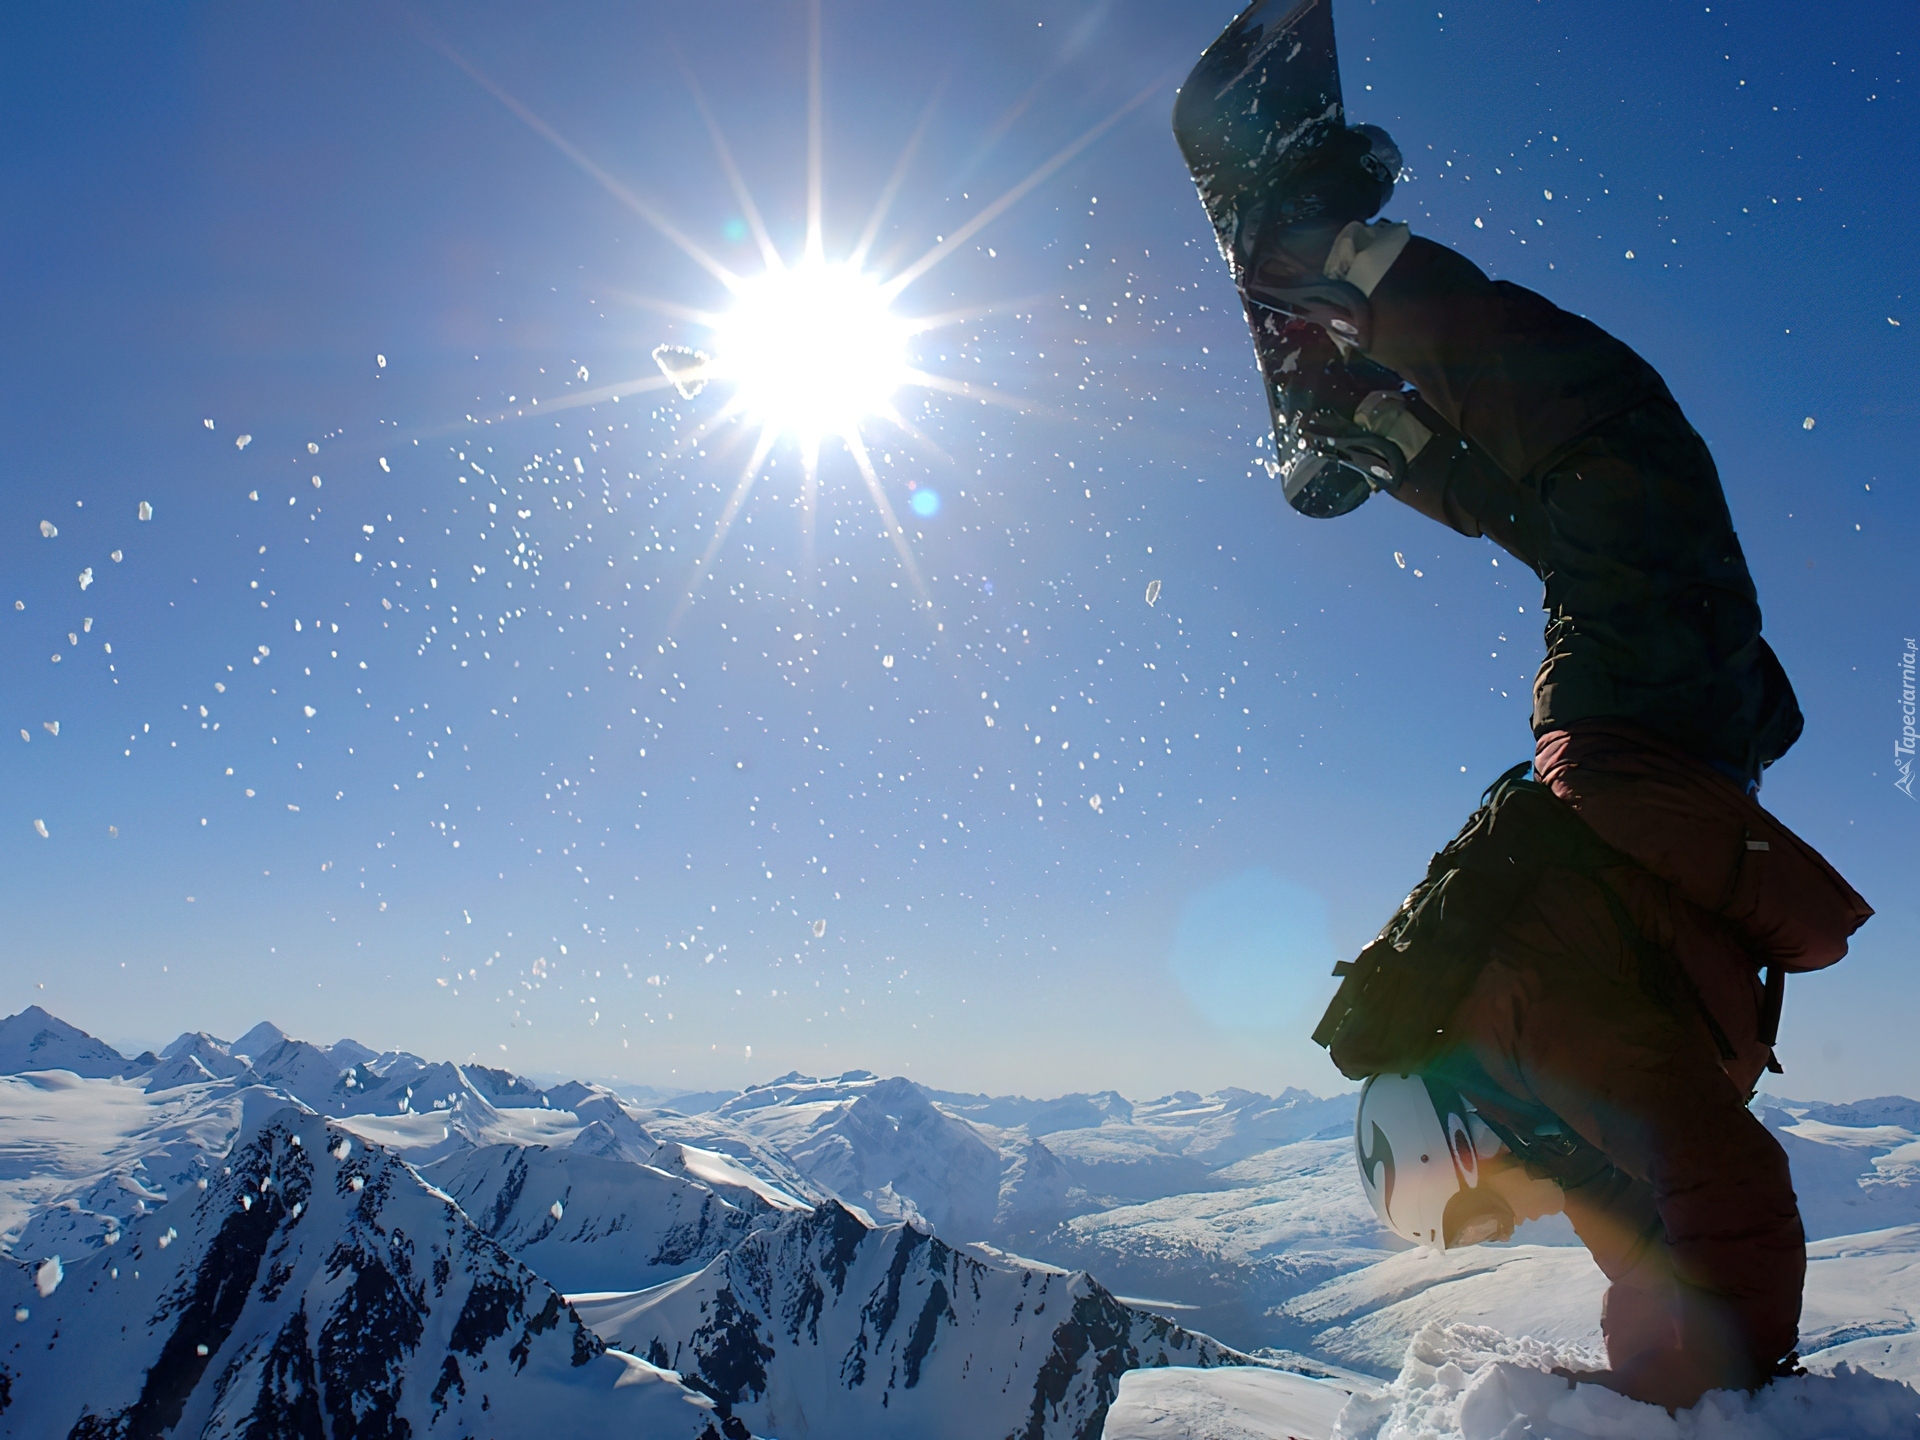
pixel 586 1222
pixel 315 1287
pixel 1862 1305
pixel 81 1159
pixel 1179 1403
pixel 826 1328
pixel 1462 1382
pixel 35 1040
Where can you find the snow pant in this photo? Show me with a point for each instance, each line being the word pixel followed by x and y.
pixel 1582 465
pixel 1690 1213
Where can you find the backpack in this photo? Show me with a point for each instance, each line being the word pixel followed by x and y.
pixel 1395 999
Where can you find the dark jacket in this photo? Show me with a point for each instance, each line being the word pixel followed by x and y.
pixel 1577 461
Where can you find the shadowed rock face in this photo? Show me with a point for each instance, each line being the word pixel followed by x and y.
pixel 824 1326
pixel 316 1289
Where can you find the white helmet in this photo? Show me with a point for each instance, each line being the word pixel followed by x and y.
pixel 1420 1146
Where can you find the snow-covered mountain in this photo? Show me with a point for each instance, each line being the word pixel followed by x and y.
pixel 584 1221
pixel 824 1327
pixel 886 1146
pixel 35 1040
pixel 314 1288
pixel 1236 1213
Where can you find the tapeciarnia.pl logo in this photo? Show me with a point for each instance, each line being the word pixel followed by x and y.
pixel 1903 747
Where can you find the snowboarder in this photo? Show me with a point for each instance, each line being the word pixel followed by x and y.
pixel 1595 965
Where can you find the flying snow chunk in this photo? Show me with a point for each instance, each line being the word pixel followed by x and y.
pixel 40 829
pixel 47 1278
pixel 886 662
pixel 207 423
pixel 343 1149
pixel 52 727
pixel 381 361
pixel 686 368
pixel 1094 801
pixel 1399 559
pixel 556 1210
pixel 819 929
pixel 311 712
pixel 20 1313
pixel 356 1183
pixel 146 510
pixel 1807 424
pixel 115 557
pixel 384 466
pixel 312 449
pixel 242 441
pixel 1153 592
pixel 49 529
pixel 583 372
pixel 86 577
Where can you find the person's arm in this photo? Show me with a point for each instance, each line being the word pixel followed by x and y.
pixel 1450 479
pixel 1511 371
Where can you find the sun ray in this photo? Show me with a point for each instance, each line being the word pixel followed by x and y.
pixel 809 501
pixel 621 192
pixel 749 474
pixel 919 437
pixel 671 309
pixel 997 208
pixel 699 433
pixel 600 394
pixel 894 181
pixel 1004 124
pixel 985 396
pixel 921 324
pixel 815 158
pixel 864 462
pixel 769 253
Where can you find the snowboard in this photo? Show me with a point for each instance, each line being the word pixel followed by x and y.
pixel 1252 119
pixel 1264 95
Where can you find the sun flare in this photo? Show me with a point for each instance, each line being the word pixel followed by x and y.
pixel 812 350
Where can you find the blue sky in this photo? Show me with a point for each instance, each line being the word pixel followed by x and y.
pixel 560 801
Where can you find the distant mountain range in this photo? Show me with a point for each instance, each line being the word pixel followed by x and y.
pixel 854 1256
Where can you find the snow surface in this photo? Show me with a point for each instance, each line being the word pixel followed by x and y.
pixel 1464 1382
pixel 620 1225
pixel 1179 1403
pixel 823 1327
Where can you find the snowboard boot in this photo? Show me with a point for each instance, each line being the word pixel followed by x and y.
pixel 1343 427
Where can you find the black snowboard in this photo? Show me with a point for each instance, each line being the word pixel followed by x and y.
pixel 1265 95
pixel 1260 122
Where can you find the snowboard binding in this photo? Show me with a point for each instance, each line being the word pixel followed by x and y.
pixel 1326 458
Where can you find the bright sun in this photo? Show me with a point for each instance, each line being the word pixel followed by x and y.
pixel 812 350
